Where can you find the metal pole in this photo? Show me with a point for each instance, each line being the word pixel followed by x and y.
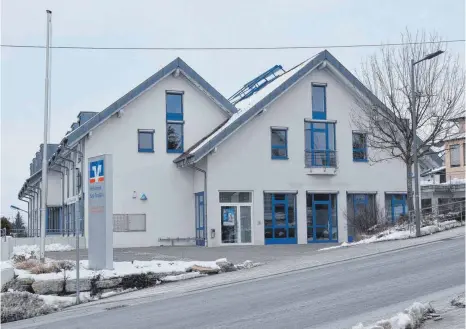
pixel 45 159
pixel 415 159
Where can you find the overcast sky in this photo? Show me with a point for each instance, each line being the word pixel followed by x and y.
pixel 84 80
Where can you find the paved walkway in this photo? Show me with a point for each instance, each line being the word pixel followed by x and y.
pixel 235 254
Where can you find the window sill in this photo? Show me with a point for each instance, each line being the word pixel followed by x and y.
pixel 321 171
pixel 145 151
pixel 279 158
pixel 360 160
pixel 175 151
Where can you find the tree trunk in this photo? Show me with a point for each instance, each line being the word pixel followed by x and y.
pixel 409 186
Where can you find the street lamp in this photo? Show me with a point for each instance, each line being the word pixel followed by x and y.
pixel 414 128
pixel 19 209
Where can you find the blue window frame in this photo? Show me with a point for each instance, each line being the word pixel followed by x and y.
pixel 319 102
pixel 397 206
pixel 359 205
pixel 279 140
pixel 175 123
pixel 322 217
pixel 359 147
pixel 200 219
pixel 145 141
pixel 320 144
pixel 280 222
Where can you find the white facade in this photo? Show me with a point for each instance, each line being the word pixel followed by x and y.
pixel 240 163
pixel 243 162
pixel 169 207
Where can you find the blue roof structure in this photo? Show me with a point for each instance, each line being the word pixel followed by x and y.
pixel 178 63
pixel 216 138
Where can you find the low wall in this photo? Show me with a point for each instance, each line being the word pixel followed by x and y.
pixel 6 275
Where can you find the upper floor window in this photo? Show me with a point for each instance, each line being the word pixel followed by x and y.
pixel 319 102
pixel 175 122
pixel 174 105
pixel 145 140
pixel 279 143
pixel 320 144
pixel 455 159
pixel 359 146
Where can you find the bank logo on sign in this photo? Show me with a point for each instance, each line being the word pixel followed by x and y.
pixel 96 173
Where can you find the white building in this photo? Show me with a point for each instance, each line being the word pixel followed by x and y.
pixel 281 165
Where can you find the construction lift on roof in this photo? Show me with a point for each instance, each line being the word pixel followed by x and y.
pixel 256 84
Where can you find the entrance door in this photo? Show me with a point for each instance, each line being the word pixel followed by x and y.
pixel 322 221
pixel 200 219
pixel 281 228
pixel 398 206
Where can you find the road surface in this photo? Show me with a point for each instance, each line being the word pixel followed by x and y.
pixel 334 296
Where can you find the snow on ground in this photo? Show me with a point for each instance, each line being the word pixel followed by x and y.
pixel 184 276
pixel 32 250
pixel 412 317
pixel 64 301
pixel 120 269
pixel 397 233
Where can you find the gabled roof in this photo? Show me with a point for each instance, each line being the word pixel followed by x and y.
pixel 178 63
pixel 256 103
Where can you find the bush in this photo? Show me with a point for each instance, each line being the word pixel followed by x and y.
pixel 22 305
pixel 27 264
pixel 140 281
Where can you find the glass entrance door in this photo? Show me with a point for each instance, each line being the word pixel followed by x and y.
pixel 280 228
pixel 322 225
pixel 236 224
pixel 200 219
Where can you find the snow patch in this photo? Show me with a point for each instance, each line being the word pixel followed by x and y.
pixel 184 276
pixel 410 318
pixel 119 269
pixel 397 233
pixel 33 250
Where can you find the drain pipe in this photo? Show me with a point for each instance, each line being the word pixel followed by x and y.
pixel 33 189
pixel 205 202
pixel 31 223
pixel 62 184
pixel 29 202
pixel 73 182
pixel 63 188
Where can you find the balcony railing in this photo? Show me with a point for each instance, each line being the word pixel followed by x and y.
pixel 320 158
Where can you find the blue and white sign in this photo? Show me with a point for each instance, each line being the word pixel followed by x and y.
pixel 229 216
pixel 96 172
pixel 100 212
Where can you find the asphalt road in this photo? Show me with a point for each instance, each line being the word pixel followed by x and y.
pixel 333 296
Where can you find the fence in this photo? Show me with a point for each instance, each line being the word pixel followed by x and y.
pixel 453 211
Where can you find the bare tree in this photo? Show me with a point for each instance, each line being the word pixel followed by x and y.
pixel 440 84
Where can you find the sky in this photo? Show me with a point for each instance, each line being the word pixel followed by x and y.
pixel 90 80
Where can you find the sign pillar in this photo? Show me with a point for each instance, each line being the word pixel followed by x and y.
pixel 100 212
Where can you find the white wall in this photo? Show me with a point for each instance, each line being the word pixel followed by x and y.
pixel 170 191
pixel 54 191
pixel 243 162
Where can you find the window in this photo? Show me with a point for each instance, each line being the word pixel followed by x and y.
pixel 280 222
pixel 359 147
pixel 236 217
pixel 361 213
pixel 175 123
pixel 145 140
pixel 319 102
pixel 320 144
pixel 455 155
pixel 279 143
